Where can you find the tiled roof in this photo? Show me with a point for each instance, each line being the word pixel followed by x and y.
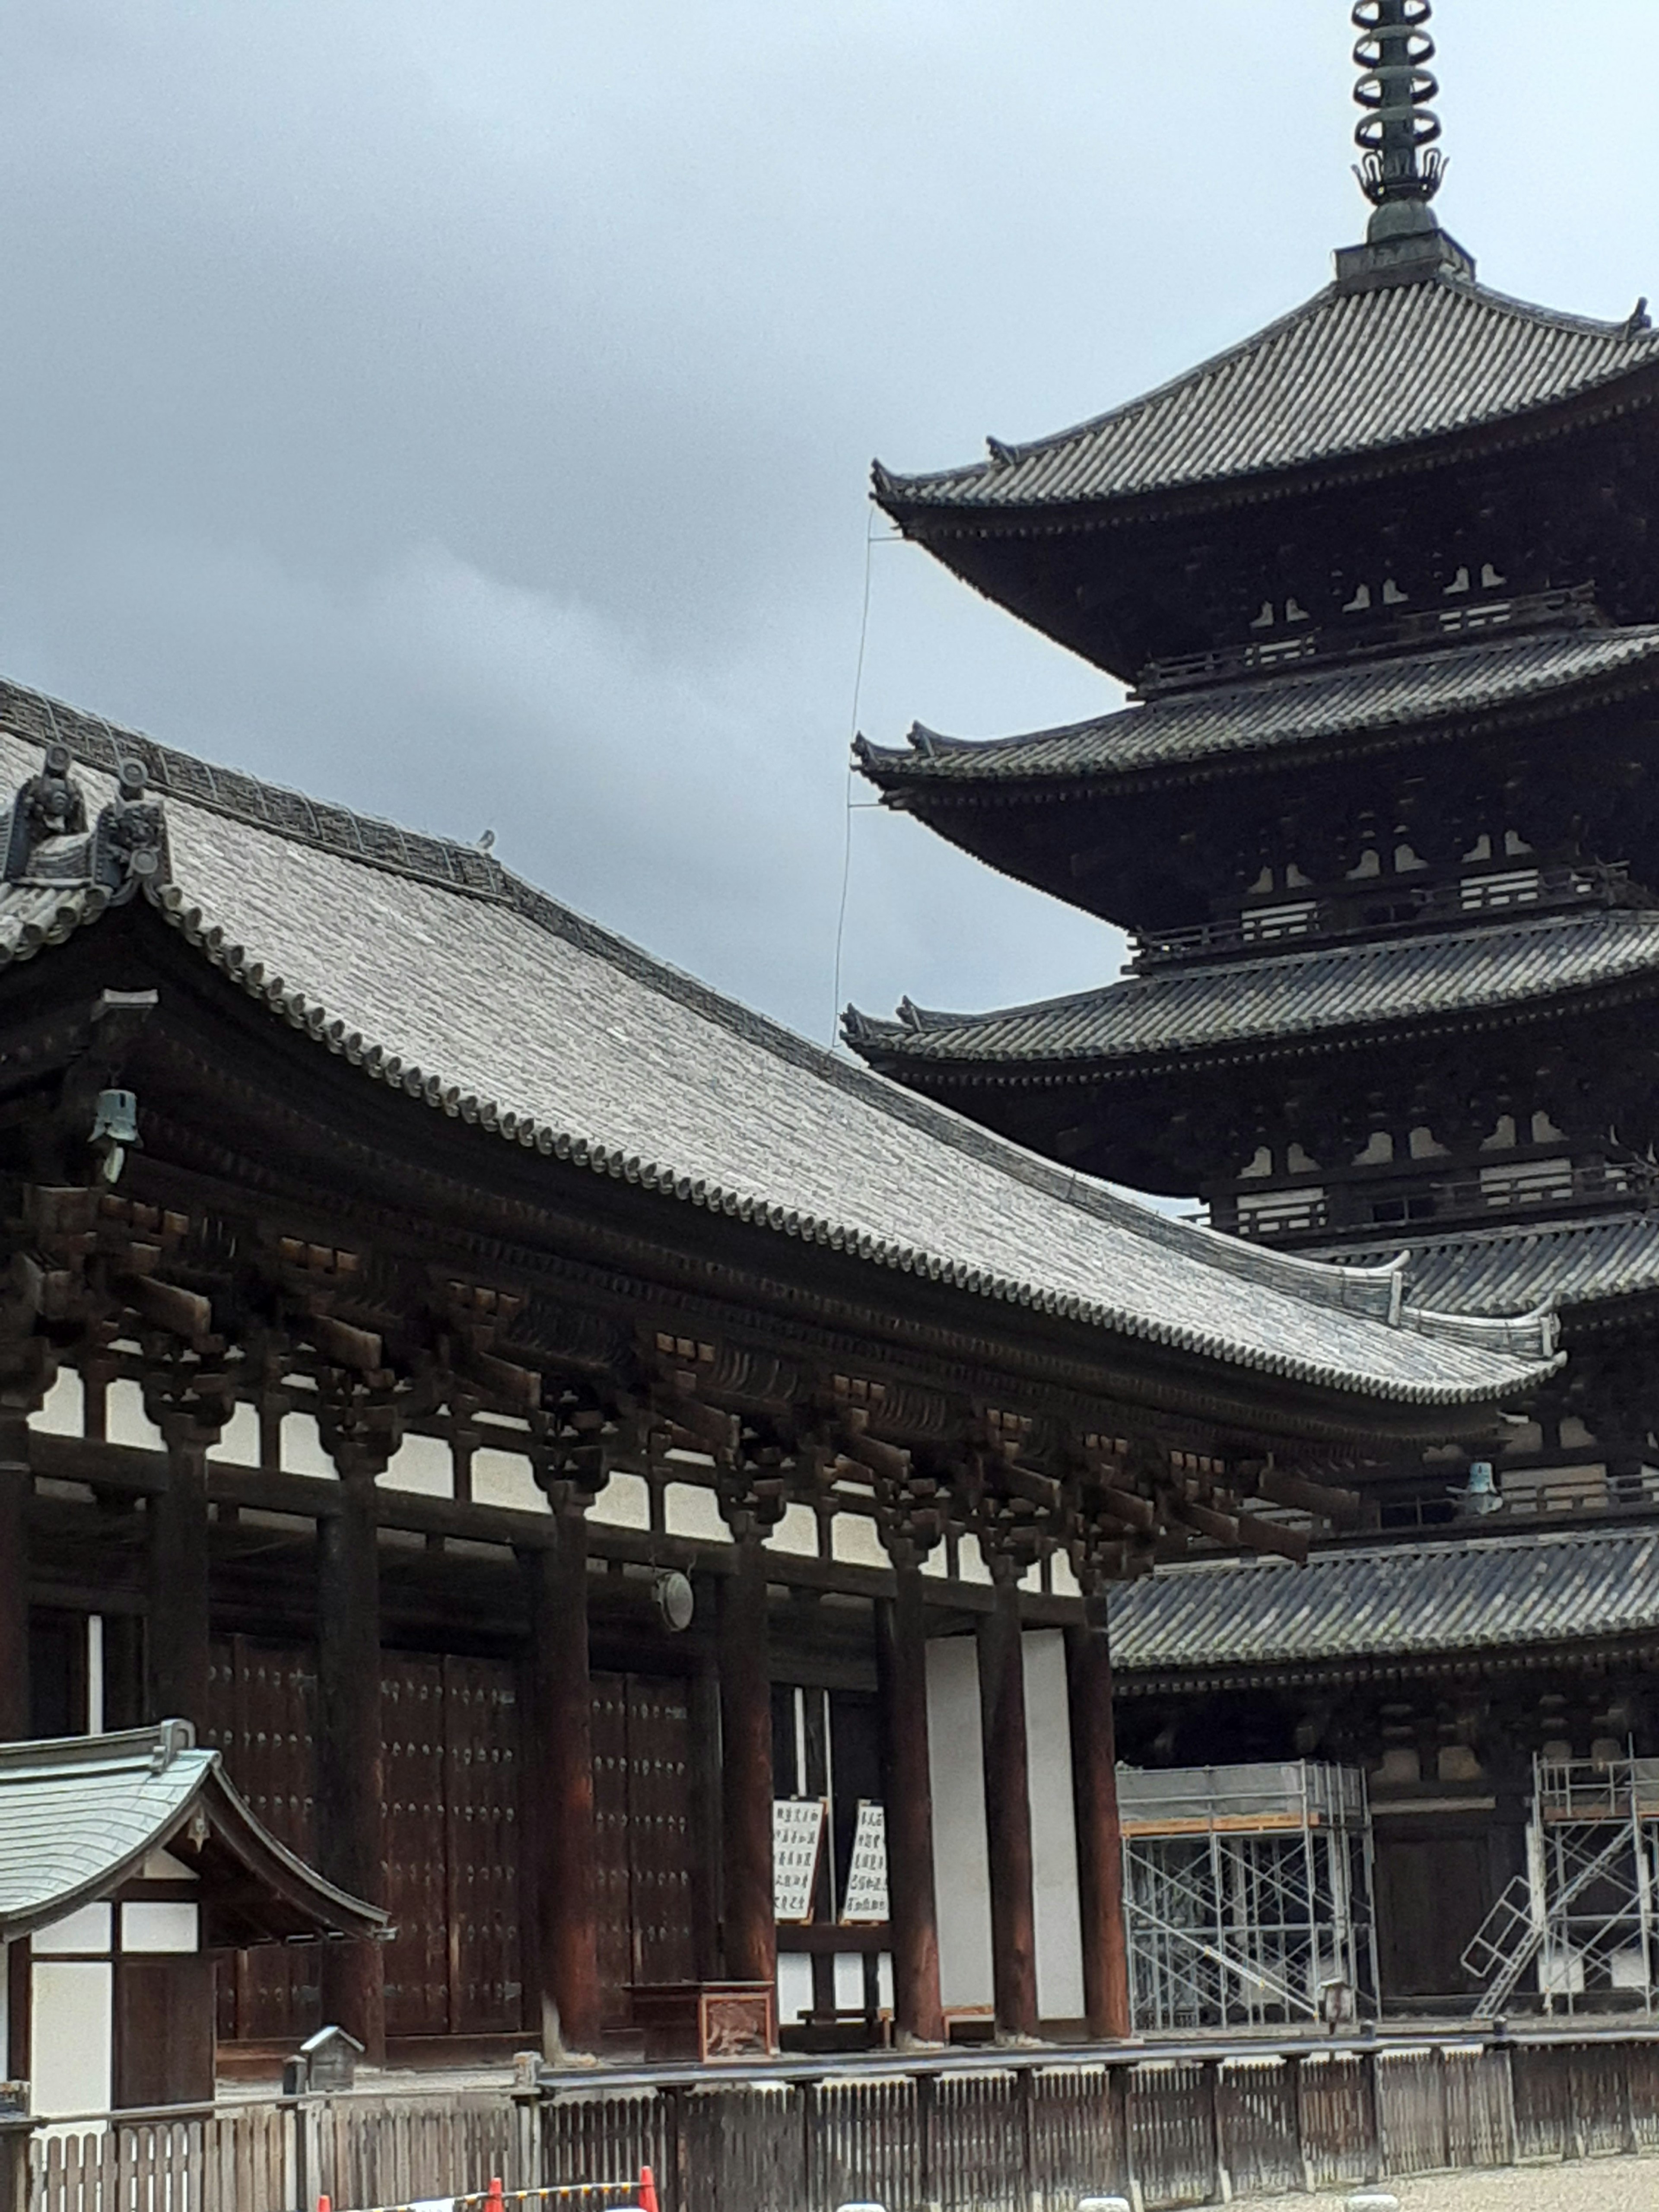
pixel 1351 372
pixel 1390 1601
pixel 1252 1002
pixel 501 1008
pixel 1351 702
pixel 1513 1270
pixel 78 1815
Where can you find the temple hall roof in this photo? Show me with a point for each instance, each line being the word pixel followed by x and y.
pixel 1258 1002
pixel 1352 372
pixel 1420 694
pixel 445 978
pixel 1389 1602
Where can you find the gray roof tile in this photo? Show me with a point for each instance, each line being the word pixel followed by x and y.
pixel 1355 700
pixel 78 1815
pixel 1349 373
pixel 1515 1271
pixel 1291 994
pixel 499 1006
pixel 1394 1601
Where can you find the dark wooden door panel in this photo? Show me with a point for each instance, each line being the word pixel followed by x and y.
pixel 660 1827
pixel 481 1782
pixel 414 1839
pixel 262 1702
pixel 615 1899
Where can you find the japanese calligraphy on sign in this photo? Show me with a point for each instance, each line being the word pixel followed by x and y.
pixel 865 1901
pixel 797 1840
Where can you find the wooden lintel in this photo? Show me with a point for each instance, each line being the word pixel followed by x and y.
pixel 134 1471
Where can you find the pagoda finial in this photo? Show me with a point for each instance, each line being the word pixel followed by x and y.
pixel 1400 173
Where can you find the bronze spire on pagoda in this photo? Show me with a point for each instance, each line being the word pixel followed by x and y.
pixel 1402 169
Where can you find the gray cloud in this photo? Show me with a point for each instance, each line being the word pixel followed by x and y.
pixel 464 411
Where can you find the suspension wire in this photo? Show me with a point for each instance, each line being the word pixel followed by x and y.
pixel 852 731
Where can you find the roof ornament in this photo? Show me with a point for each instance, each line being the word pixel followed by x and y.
pixel 1402 172
pixel 46 844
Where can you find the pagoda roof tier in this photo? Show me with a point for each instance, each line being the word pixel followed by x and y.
pixel 513 1024
pixel 1238 728
pixel 1385 1605
pixel 1253 1008
pixel 1569 1264
pixel 1355 373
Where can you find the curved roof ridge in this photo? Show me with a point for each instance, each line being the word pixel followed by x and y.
pixel 973 1241
pixel 1260 422
pixel 1277 688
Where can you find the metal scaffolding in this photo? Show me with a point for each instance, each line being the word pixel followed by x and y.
pixel 1247 1894
pixel 1583 1914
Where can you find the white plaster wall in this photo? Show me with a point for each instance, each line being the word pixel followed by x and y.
pixel 795 1987
pixel 503 1478
pixel 239 1441
pixel 854 1540
pixel 796 1534
pixel 961 1857
pixel 71 2031
pixel 63 1413
pixel 961 1862
pixel 688 1509
pixel 1053 1828
pixel 624 1502
pixel 424 1464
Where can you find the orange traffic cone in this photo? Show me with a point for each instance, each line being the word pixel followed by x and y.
pixel 323 2205
pixel 647 2191
pixel 495 2198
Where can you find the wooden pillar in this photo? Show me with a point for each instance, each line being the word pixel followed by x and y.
pixel 16 1491
pixel 350 1766
pixel 177 1669
pixel 561 1779
pixel 1099 1835
pixel 902 1649
pixel 751 1941
pixel 1008 1807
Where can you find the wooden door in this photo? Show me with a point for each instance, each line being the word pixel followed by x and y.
pixel 642 1793
pixel 262 1704
pixel 414 1837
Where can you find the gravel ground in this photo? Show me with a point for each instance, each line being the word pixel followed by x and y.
pixel 1612 2184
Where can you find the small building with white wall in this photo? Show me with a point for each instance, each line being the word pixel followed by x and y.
pixel 127 1862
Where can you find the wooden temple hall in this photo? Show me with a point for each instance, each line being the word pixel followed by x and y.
pixel 548 1428
pixel 646 1506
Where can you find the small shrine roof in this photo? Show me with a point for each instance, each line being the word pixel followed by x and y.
pixel 1258 1002
pixel 1352 373
pixel 454 983
pixel 80 1815
pixel 1513 1270
pixel 1355 700
pixel 1387 1603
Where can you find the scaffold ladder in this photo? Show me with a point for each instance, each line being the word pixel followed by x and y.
pixel 1512 1934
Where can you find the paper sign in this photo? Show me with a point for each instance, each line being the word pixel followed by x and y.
pixel 865 1902
pixel 797 1840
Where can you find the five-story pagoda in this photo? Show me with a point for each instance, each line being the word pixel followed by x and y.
pixel 1384 818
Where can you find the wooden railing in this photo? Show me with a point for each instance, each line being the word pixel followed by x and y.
pixel 1023 2131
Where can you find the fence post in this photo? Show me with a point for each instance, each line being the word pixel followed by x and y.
pixel 1123 2082
pixel 527 2113
pixel 1371 2075
pixel 16 2132
pixel 1223 2180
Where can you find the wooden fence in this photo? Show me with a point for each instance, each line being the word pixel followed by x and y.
pixel 1004 2132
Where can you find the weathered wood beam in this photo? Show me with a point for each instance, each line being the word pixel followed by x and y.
pixel 902 1654
pixel 1099 1835
pixel 565 1880
pixel 350 1761
pixel 750 1937
pixel 16 1490
pixel 1008 1810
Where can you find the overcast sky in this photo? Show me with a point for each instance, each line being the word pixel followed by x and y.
pixel 464 411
